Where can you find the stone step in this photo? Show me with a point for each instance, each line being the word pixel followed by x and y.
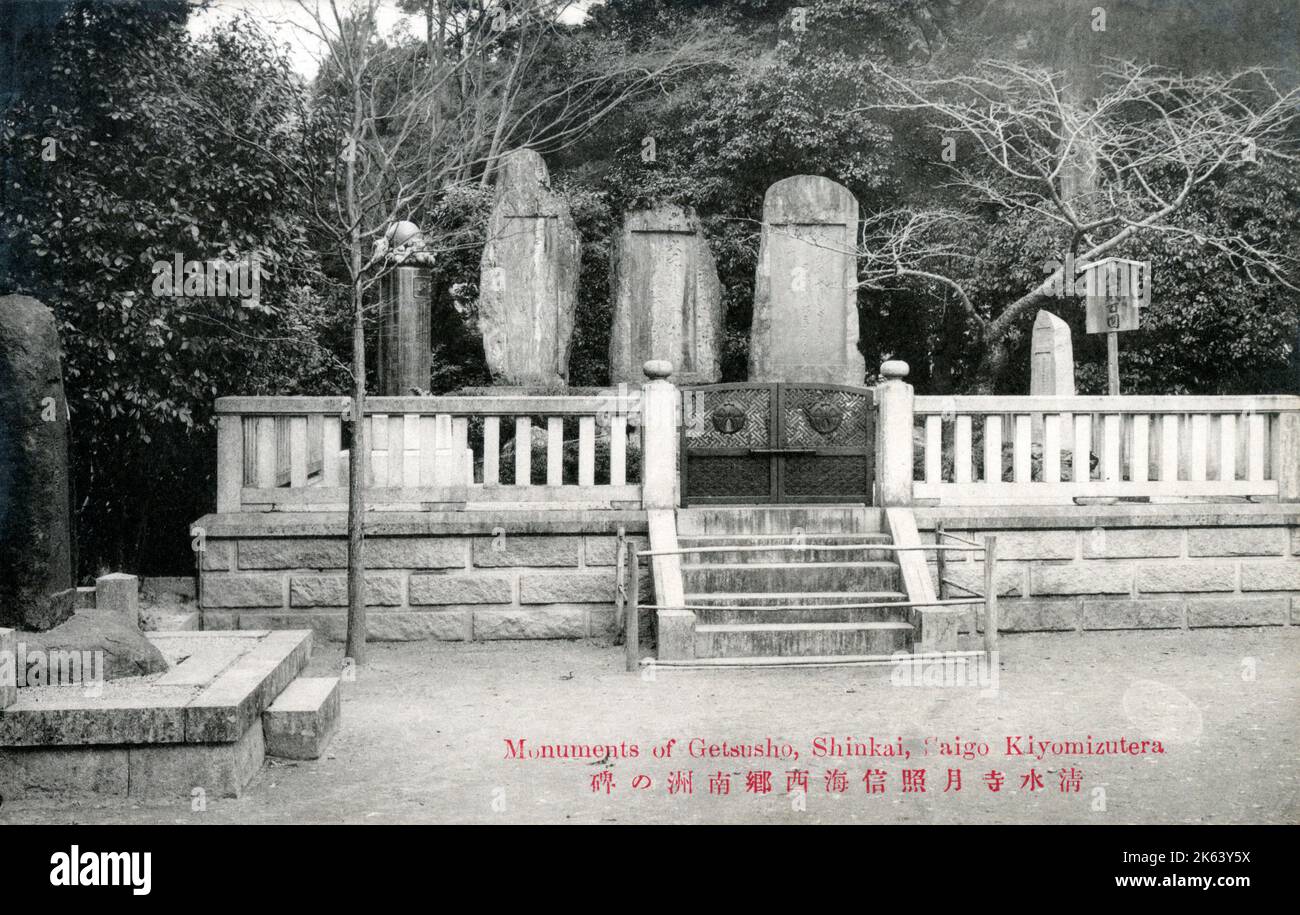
pixel 303 718
pixel 824 614
pixel 749 548
pixel 781 640
pixel 792 598
pixel 792 576
pixel 779 519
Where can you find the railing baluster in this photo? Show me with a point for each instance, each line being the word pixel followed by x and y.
pixel 428 448
pixel 1200 447
pixel 555 451
pixel 961 465
pixel 1021 463
pixel 934 449
pixel 1051 448
pixel 586 451
pixel 1111 448
pixel 1081 468
pixel 523 451
pixel 1227 447
pixel 396 450
pixel 297 452
pixel 618 449
pixel 1139 462
pixel 331 451
pixel 266 458
pixel 491 450
pixel 1256 451
pixel 993 449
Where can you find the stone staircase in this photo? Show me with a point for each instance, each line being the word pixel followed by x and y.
pixel 810 591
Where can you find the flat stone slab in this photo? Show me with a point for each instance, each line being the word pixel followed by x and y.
pixel 300 723
pixel 218 685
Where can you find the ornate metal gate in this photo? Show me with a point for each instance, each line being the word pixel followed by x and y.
pixel 787 442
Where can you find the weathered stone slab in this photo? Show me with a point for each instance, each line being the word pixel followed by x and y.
pixel 531 623
pixel 526 550
pixel 332 590
pixel 1236 541
pixel 1033 616
pixel 36 533
pixel 37 771
pixel 177 771
pixel 805 322
pixel 417 553
pixel 603 551
pixel 80 720
pixel 1132 614
pixel 298 553
pixel 1126 543
pixel 529 270
pixel 566 587
pixel 1237 611
pixel 667 301
pixel 1270 576
pixel 221 591
pixel 460 589
pixel 301 721
pixel 1082 578
pixel 218 555
pixel 102 635
pixel 1029 544
pixel 443 624
pixel 223 711
pixel 1173 577
pixel 968 577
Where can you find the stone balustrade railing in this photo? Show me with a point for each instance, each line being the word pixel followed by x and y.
pixel 503 451
pixel 1018 450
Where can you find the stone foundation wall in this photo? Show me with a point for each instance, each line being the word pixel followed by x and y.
pixel 1132 567
pixel 476 579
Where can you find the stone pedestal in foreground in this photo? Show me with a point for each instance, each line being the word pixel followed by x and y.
pixel 528 285
pixel 805 325
pixel 667 300
pixel 36 548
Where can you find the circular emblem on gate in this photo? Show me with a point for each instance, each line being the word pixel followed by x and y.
pixel 729 419
pixel 824 416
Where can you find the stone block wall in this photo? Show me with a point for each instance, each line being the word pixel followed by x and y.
pixel 1121 568
pixel 475 582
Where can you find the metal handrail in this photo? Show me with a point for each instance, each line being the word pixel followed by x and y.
pixel 876 605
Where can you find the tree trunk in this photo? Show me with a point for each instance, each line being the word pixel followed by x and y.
pixel 359 450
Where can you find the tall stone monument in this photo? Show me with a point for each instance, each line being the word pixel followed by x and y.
pixel 805 325
pixel 36 546
pixel 528 287
pixel 1051 368
pixel 667 300
pixel 405 350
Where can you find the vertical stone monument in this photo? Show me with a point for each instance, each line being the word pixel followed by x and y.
pixel 404 356
pixel 805 325
pixel 667 300
pixel 1051 369
pixel 36 574
pixel 528 287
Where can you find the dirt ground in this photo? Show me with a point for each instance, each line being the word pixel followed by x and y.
pixel 424 733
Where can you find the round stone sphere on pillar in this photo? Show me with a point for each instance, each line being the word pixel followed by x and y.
pixel 658 369
pixel 894 369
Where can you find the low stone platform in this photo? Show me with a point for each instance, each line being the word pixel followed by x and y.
pixel 166 736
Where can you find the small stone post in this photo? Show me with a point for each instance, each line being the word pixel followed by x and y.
pixel 659 399
pixel 894 436
pixel 120 594
pixel 8 668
